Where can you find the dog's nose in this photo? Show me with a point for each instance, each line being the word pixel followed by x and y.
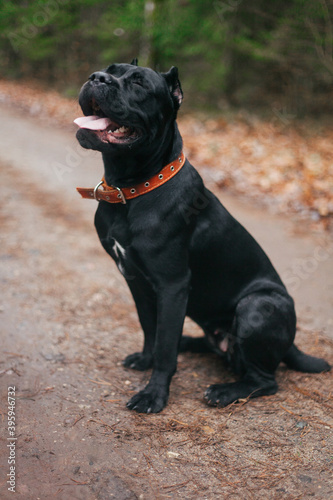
pixel 101 77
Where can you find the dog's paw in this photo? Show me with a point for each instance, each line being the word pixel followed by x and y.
pixel 138 361
pixel 151 400
pixel 220 395
pixel 224 394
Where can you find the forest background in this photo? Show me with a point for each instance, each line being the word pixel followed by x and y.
pixel 257 79
pixel 231 53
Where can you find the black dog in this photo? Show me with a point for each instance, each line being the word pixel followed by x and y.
pixel 179 249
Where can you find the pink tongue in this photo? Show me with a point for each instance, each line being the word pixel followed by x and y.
pixel 93 122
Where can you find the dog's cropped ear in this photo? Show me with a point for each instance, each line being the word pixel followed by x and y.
pixel 134 62
pixel 174 86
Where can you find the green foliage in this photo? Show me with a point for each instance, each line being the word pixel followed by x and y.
pixel 230 50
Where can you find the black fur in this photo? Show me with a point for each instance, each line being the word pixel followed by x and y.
pixel 184 253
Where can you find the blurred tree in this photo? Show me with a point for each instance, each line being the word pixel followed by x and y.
pixel 229 51
pixel 147 37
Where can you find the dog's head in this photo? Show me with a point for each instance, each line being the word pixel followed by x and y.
pixel 127 106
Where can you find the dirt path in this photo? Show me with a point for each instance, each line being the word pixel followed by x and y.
pixel 67 321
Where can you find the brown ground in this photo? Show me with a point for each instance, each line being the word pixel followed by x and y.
pixel 69 321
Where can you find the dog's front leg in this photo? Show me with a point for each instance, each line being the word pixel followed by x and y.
pixel 171 310
pixel 146 304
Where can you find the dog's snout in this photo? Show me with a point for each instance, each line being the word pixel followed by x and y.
pixel 101 77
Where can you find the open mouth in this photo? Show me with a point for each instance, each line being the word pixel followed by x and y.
pixel 107 130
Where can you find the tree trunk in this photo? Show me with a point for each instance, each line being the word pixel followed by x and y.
pixel 146 49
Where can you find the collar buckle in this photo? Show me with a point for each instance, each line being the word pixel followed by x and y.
pixel 120 194
pixel 96 190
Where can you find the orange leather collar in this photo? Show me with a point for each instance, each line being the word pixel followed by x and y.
pixel 113 194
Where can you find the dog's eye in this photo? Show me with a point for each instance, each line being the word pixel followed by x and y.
pixel 138 82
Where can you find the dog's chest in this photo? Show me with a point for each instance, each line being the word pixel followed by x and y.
pixel 119 256
pixel 113 230
pixel 119 251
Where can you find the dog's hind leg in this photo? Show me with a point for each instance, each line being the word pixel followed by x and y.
pixel 264 330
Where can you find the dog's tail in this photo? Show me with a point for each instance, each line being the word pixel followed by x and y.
pixel 298 360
